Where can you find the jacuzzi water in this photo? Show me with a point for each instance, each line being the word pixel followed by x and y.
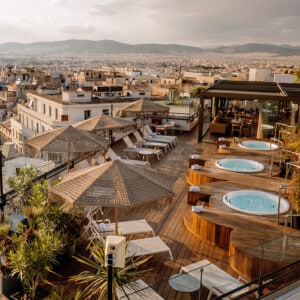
pixel 258 145
pixel 255 202
pixel 240 165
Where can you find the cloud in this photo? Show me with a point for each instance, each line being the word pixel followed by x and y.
pixel 193 22
pixel 77 29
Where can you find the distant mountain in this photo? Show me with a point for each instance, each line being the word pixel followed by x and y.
pixel 262 48
pixel 93 47
pixel 77 47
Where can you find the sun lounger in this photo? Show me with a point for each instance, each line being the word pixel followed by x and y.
pixel 112 155
pixel 137 290
pixel 148 144
pixel 131 147
pixel 216 280
pixel 152 137
pixel 127 227
pixel 147 246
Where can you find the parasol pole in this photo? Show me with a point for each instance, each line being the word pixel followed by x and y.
pixel 68 157
pixel 116 219
pixel 143 124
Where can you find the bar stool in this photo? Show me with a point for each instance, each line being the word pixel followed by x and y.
pixel 236 128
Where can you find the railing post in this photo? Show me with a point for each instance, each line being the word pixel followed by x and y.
pixel 260 292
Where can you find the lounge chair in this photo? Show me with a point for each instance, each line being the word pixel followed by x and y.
pixel 125 228
pixel 132 148
pixel 153 137
pixel 147 246
pixel 216 280
pixel 137 290
pixel 147 144
pixel 112 155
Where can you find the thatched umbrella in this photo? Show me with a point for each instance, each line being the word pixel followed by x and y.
pixel 103 123
pixel 144 107
pixel 114 184
pixel 68 140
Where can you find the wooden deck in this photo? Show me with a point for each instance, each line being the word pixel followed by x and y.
pixel 168 222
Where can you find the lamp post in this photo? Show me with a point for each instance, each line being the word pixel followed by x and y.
pixel 281 187
pixel 2 196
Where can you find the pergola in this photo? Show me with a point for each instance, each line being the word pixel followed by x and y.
pixel 225 90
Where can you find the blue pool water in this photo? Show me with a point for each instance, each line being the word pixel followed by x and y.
pixel 240 165
pixel 258 145
pixel 255 202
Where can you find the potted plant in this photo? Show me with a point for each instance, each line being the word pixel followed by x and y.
pixel 95 279
pixel 10 284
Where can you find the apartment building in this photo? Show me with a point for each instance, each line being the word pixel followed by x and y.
pixel 90 77
pixel 42 112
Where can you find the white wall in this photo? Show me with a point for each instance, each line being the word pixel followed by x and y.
pixel 284 78
pixel 256 74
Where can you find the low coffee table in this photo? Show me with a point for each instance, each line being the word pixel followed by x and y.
pixel 146 154
pixel 184 284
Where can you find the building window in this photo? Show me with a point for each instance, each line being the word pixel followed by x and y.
pixel 44 109
pixel 37 127
pixel 56 113
pixel 50 111
pixel 64 117
pixel 87 114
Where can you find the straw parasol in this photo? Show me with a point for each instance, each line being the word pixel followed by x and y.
pixel 144 107
pixel 68 140
pixel 114 184
pixel 102 123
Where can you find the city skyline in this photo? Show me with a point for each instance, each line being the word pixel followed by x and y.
pixel 195 23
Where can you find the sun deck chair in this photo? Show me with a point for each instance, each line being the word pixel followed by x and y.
pixel 152 136
pixel 147 144
pixel 147 246
pixel 112 155
pixel 137 290
pixel 215 279
pixel 131 147
pixel 125 228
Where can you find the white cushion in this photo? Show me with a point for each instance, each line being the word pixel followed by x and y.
pixel 195 167
pixel 197 208
pixel 102 226
pixel 195 156
pixel 194 188
pixel 222 146
pixel 221 139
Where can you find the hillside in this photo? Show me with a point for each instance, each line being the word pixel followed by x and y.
pixel 76 47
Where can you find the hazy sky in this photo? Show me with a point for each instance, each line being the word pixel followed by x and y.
pixel 189 22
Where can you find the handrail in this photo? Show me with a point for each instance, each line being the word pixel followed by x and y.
pixel 268 279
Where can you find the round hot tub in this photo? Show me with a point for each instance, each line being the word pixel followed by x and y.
pixel 258 145
pixel 255 202
pixel 239 165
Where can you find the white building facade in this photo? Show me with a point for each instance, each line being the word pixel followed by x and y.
pixel 41 113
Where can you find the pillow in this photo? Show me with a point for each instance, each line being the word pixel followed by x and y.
pixel 102 227
pixel 194 188
pixel 222 147
pixel 195 167
pixel 197 208
pixel 221 139
pixel 195 156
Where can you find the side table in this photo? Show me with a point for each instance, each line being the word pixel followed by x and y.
pixel 145 154
pixel 184 284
